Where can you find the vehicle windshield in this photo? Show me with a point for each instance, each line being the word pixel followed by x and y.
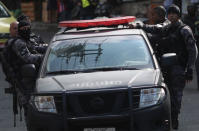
pixel 99 53
pixel 3 12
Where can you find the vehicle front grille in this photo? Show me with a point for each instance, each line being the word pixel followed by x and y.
pixel 97 102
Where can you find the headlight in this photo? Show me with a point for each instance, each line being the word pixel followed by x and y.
pixel 45 104
pixel 151 96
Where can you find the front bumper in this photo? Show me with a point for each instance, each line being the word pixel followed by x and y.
pixel 154 118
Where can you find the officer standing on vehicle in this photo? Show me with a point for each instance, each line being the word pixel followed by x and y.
pixel 181 41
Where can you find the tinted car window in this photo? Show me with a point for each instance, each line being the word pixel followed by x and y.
pixel 99 52
pixel 3 12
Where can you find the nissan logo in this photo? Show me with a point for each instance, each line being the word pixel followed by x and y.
pixel 97 103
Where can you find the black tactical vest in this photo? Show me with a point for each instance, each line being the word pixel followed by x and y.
pixel 176 44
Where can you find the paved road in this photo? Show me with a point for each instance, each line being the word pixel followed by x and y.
pixel 6 116
pixel 189 118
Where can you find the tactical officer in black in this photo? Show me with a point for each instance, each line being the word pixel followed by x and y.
pixel 158 17
pixel 20 51
pixel 180 40
pixel 192 21
pixel 23 51
pixel 6 69
pixel 191 17
pixel 35 39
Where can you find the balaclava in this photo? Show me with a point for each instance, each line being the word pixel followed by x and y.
pixel 25 33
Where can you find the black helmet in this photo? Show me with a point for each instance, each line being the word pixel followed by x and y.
pixel 22 18
pixel 25 33
pixel 23 23
pixel 174 9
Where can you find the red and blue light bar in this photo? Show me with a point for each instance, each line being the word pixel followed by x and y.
pixel 97 22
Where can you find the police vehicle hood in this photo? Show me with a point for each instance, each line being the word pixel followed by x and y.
pixel 98 80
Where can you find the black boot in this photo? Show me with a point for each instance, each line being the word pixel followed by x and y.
pixel 175 123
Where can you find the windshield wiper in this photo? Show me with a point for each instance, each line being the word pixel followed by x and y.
pixel 63 72
pixel 111 69
pixel 91 70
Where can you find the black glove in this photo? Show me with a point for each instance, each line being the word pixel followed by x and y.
pixel 139 25
pixel 189 74
pixel 136 26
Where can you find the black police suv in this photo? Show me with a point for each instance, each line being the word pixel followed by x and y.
pixel 100 79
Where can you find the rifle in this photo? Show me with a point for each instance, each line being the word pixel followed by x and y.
pixel 15 88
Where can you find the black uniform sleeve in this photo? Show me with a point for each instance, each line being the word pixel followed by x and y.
pixel 37 38
pixel 41 49
pixel 21 50
pixel 155 29
pixel 190 45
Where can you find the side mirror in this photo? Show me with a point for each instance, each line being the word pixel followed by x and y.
pixel 168 60
pixel 28 71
